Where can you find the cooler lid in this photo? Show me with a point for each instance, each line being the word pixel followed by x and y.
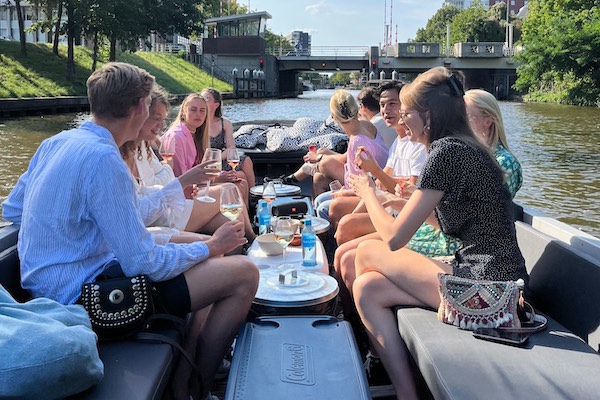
pixel 295 287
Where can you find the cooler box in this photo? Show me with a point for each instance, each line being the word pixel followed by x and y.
pixel 296 358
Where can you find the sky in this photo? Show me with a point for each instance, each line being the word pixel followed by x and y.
pixel 346 22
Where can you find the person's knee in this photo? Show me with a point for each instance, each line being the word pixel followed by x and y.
pixel 347 270
pixel 245 273
pixel 364 289
pixel 342 233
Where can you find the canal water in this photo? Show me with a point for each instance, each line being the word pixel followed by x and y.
pixel 558 147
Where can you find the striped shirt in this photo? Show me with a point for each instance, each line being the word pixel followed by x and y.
pixel 77 209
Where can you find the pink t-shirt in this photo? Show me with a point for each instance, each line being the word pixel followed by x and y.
pixel 185 148
pixel 376 147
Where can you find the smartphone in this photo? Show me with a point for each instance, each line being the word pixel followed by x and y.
pixel 501 336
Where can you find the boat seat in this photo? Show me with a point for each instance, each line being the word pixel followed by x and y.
pixel 133 370
pixel 556 363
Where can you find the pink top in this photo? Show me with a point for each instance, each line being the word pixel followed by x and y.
pixel 185 148
pixel 376 147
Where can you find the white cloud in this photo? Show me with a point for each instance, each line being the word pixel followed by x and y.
pixel 314 9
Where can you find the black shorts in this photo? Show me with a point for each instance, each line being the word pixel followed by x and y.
pixel 171 297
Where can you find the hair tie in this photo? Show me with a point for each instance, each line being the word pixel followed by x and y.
pixel 456 86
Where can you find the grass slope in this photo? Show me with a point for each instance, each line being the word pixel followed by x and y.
pixel 42 74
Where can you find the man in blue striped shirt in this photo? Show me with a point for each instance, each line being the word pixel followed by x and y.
pixel 77 211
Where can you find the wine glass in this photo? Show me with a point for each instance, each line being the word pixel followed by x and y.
pixel 401 171
pixel 167 149
pixel 231 202
pixel 284 234
pixel 233 158
pixel 269 193
pixel 213 155
pixel 312 148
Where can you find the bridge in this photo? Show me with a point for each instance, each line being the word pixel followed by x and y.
pixel 405 57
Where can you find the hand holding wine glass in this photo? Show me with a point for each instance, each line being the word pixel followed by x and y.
pixel 231 202
pixel 284 234
pixel 401 173
pixel 213 157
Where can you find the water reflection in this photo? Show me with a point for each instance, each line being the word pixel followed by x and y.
pixel 557 146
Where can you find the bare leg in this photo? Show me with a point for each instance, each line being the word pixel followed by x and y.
pixel 385 279
pixel 341 206
pixel 248 170
pixel 227 285
pixel 352 226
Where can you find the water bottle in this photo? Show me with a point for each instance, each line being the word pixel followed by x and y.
pixel 309 245
pixel 264 217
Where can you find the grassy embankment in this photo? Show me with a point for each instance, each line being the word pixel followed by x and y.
pixel 42 74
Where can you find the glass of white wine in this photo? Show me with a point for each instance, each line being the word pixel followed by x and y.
pixel 213 155
pixel 284 233
pixel 231 202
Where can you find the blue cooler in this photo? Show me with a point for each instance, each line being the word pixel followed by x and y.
pixel 296 358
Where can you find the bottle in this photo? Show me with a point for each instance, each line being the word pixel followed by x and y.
pixel 309 245
pixel 264 217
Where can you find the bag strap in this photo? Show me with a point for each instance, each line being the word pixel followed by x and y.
pixel 531 323
pixel 159 337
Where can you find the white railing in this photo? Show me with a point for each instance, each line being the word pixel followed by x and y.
pixel 320 51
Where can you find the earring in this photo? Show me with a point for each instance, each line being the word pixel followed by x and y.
pixel 426 130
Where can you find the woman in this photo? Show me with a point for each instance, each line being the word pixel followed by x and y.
pixel 362 136
pixel 465 186
pixel 163 205
pixel 485 119
pixel 189 131
pixel 220 131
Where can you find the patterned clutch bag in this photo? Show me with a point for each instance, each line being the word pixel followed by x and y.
pixel 471 304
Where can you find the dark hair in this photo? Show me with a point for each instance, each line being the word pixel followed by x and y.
pixel 217 97
pixel 368 97
pixel 391 85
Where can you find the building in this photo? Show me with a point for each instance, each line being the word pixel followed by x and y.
pixel 9 22
pixel 300 41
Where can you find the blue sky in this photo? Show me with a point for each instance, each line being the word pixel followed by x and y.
pixel 346 22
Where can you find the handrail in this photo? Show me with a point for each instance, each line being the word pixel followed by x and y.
pixel 319 51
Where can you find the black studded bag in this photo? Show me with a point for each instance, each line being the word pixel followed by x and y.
pixel 118 307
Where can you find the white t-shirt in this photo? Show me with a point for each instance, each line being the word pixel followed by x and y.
pixel 413 151
pixel 388 134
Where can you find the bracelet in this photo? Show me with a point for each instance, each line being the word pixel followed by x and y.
pixel 319 157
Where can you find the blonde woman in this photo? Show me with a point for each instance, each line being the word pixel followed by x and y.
pixel 189 131
pixel 362 136
pixel 485 119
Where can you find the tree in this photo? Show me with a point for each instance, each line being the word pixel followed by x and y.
pixel 273 41
pixel 473 25
pixel 340 79
pixel 21 22
pixel 561 57
pixel 435 30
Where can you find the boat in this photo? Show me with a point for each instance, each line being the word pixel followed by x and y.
pixel 307 86
pixel 564 265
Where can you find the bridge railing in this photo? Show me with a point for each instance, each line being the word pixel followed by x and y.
pixel 320 51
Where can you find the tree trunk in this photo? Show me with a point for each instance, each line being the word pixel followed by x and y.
pixel 95 53
pixel 70 41
pixel 57 26
pixel 113 49
pixel 22 37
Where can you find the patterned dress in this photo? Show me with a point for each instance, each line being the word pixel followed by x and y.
pixel 432 242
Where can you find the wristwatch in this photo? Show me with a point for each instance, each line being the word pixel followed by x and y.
pixel 319 157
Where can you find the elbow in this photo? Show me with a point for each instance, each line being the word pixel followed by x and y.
pixel 394 244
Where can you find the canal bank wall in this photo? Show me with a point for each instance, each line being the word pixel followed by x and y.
pixel 13 107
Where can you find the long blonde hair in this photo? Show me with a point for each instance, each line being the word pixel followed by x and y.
pixel 200 135
pixel 487 104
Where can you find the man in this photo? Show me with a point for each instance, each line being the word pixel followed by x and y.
pixel 369 110
pixel 76 206
pixel 357 224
